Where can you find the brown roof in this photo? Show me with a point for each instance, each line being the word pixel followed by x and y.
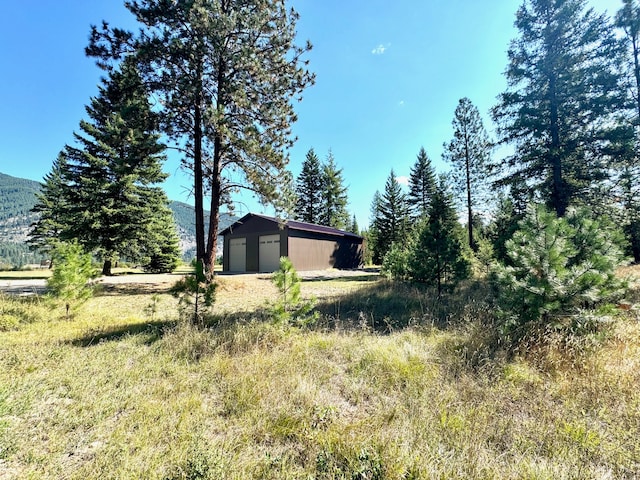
pixel 292 224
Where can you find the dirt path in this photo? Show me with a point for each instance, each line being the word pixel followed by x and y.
pixel 149 281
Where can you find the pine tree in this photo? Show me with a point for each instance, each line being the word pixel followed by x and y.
pixel 334 209
pixel 309 189
pixel 468 152
pixel 559 265
pixel 561 97
pixel 422 184
pixel 374 245
pixel 226 73
pixel 71 274
pixel 45 232
pixel 628 19
pixel 162 252
pixel 105 187
pixel 354 228
pixel 392 220
pixel 438 256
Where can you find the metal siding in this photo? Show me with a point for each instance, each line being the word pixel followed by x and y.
pixel 318 252
pixel 311 254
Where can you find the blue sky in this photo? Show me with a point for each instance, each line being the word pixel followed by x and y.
pixel 388 78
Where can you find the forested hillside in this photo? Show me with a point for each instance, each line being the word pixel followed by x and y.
pixel 185 220
pixel 17 198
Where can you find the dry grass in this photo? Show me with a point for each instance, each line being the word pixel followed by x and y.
pixel 118 394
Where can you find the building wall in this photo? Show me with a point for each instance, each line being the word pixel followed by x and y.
pixel 307 250
pixel 311 254
pixel 253 246
pixel 315 251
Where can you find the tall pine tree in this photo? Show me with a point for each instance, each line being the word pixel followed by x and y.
pixel 374 246
pixel 227 73
pixel 561 95
pixel 334 207
pixel 628 20
pixel 438 256
pixel 309 189
pixel 468 152
pixel 109 199
pixel 392 216
pixel 422 184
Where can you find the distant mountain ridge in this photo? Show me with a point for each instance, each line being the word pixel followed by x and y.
pixel 18 197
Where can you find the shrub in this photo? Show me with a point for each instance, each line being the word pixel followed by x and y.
pixel 196 293
pixel 395 264
pixel 291 308
pixel 559 266
pixel 72 271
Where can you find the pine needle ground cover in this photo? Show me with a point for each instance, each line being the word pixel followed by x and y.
pixel 382 388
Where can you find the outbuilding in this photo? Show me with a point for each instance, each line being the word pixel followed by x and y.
pixel 256 242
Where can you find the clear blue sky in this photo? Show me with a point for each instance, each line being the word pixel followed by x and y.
pixel 389 77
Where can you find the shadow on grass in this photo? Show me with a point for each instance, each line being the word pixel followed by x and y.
pixel 346 278
pixel 386 306
pixel 110 290
pixel 153 331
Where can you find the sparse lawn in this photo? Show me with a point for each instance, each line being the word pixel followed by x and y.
pixel 119 393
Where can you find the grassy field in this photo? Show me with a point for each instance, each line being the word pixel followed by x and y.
pixel 390 384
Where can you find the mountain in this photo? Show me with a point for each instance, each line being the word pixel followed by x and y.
pixel 184 215
pixel 18 196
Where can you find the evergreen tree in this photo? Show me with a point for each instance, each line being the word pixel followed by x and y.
pixel 71 274
pixel 422 184
pixel 105 190
pixel 226 73
pixel 558 266
pixel 334 209
pixel 50 207
pixel 162 253
pixel 468 152
pixel 392 216
pixel 438 256
pixel 562 92
pixel 503 226
pixel 374 245
pixel 354 228
pixel 628 19
pixel 309 189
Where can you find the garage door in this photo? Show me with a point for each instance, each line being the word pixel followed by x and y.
pixel 238 255
pixel 269 253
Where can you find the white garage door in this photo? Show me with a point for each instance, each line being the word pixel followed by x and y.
pixel 269 253
pixel 238 255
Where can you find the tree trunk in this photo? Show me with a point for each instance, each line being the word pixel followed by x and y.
pixel 214 219
pixel 215 181
pixel 559 194
pixel 472 244
pixel 106 268
pixel 198 190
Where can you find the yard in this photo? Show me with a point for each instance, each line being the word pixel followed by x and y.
pixel 389 384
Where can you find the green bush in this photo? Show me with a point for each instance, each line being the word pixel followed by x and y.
pixel 291 307
pixel 72 271
pixel 196 293
pixel 395 264
pixel 559 267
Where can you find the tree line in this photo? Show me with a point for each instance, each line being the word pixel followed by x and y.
pixel 569 120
